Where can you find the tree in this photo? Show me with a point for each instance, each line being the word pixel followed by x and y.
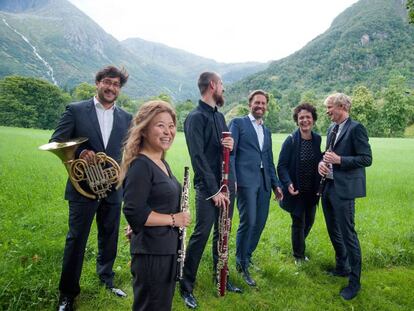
pixel 364 110
pixel 309 97
pixel 395 111
pixel 165 97
pixel 182 110
pixel 30 102
pixel 84 91
pixel 272 115
pixel 410 11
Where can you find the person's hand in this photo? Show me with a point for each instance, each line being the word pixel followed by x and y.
pixel 323 169
pixel 331 157
pixel 220 200
pixel 87 155
pixel 128 232
pixel 228 142
pixel 182 219
pixel 292 190
pixel 278 194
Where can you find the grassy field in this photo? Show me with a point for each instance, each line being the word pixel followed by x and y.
pixel 33 225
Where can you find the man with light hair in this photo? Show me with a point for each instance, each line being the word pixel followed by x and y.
pixel 343 167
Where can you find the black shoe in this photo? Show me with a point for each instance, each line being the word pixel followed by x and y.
pixel 189 299
pixel 118 292
pixel 65 304
pixel 233 289
pixel 350 291
pixel 246 275
pixel 339 273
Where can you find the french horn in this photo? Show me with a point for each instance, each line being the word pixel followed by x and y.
pixel 99 175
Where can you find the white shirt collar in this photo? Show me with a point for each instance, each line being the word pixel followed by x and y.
pixel 98 105
pixel 254 120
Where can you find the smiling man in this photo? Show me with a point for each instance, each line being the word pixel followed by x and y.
pixel 344 167
pixel 105 125
pixel 252 161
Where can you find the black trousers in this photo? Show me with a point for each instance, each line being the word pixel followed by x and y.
pixel 339 217
pixel 81 215
pixel 303 218
pixel 207 215
pixel 153 281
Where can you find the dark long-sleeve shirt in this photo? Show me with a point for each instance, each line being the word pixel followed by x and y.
pixel 203 127
pixel 147 188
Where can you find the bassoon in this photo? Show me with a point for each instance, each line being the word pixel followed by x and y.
pixel 224 223
pixel 184 207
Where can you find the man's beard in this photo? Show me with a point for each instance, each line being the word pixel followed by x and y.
pixel 219 99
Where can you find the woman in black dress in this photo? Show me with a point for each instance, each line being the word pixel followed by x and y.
pixel 152 206
pixel 298 171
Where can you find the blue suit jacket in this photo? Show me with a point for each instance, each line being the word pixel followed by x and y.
pixel 80 120
pixel 288 168
pixel 353 147
pixel 247 156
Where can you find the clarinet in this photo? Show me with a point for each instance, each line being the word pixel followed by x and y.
pixel 224 224
pixel 184 207
pixel 329 148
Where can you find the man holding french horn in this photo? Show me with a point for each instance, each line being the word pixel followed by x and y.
pixel 103 125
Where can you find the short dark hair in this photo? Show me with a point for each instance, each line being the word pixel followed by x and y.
pixel 112 72
pixel 256 92
pixel 307 107
pixel 205 79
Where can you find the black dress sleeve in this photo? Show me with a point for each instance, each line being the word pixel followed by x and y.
pixel 137 187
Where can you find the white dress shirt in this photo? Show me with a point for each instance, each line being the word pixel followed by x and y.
pixel 259 130
pixel 105 119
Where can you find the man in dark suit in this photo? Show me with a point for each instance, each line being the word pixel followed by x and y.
pixel 203 128
pixel 344 167
pixel 252 161
pixel 105 125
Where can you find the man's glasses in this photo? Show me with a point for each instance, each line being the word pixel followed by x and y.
pixel 109 83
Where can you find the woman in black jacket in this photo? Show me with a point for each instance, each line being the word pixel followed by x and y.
pixel 298 172
pixel 152 206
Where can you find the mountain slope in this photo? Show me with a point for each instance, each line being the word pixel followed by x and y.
pixel 188 64
pixel 367 43
pixel 55 40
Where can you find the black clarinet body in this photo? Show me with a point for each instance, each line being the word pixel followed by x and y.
pixel 328 149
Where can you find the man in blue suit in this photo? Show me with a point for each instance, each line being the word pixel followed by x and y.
pixel 252 162
pixel 105 125
pixel 344 167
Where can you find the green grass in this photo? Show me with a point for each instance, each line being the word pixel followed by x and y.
pixel 33 225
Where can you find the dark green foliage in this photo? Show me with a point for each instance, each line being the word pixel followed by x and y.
pixel 365 111
pixel 84 91
pixel 395 112
pixel 272 118
pixel 30 102
pixel 182 110
pixel 410 9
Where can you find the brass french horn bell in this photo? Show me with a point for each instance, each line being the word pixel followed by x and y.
pixel 100 175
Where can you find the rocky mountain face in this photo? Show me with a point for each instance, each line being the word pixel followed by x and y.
pixel 54 40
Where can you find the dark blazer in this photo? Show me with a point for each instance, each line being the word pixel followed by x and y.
pixel 247 156
pixel 353 147
pixel 80 120
pixel 288 167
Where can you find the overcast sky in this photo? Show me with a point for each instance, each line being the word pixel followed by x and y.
pixel 224 30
